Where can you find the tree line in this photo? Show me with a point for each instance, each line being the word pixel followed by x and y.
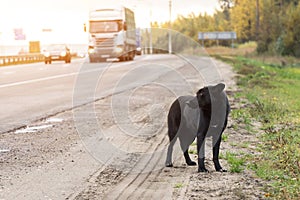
pixel 273 24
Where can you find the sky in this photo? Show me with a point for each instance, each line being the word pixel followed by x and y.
pixel 65 18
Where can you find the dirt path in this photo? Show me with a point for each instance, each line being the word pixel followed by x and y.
pixel 55 162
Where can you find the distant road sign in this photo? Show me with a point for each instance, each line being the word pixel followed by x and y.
pixel 216 35
pixel 46 30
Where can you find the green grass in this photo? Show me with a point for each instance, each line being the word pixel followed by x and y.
pixel 274 94
pixel 242 117
pixel 225 137
pixel 178 185
pixel 192 151
pixel 244 144
pixel 235 162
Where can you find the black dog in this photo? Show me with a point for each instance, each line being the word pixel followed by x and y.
pixel 198 116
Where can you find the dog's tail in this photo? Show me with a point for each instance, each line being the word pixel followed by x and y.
pixel 174 119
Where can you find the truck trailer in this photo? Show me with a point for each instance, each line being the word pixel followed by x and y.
pixel 112 34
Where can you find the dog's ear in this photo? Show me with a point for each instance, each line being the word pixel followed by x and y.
pixel 218 88
pixel 193 103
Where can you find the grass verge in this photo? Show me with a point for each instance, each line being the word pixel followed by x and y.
pixel 235 162
pixel 274 93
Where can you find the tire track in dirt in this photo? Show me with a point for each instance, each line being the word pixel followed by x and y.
pixel 127 178
pixel 129 187
pixel 96 188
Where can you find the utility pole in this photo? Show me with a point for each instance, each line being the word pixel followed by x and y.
pixel 257 19
pixel 150 40
pixel 170 18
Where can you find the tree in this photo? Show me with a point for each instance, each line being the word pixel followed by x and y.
pixel 290 36
pixel 269 25
pixel 243 19
pixel 279 27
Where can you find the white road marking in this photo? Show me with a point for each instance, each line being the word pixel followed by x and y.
pixel 4 150
pixel 110 65
pixel 9 72
pixel 37 80
pixel 55 77
pixel 49 120
pixel 33 129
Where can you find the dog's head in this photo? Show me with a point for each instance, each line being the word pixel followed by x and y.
pixel 205 96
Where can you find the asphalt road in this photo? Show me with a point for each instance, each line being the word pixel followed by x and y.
pixel 34 91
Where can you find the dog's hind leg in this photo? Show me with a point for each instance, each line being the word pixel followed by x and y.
pixel 186 139
pixel 172 132
pixel 188 159
pixel 174 118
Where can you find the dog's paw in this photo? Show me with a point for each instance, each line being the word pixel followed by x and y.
pixel 203 170
pixel 221 170
pixel 169 164
pixel 191 163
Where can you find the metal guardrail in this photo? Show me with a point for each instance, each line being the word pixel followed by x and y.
pixel 21 59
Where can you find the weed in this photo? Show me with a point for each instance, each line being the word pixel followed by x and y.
pixel 178 185
pixel 225 137
pixel 192 151
pixel 241 116
pixel 244 145
pixel 194 143
pixel 234 144
pixel 236 163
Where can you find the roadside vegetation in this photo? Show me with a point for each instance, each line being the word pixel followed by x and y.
pixel 272 90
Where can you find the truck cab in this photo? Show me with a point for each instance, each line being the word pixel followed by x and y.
pixel 111 34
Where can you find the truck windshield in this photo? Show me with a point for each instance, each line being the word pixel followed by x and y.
pixel 104 26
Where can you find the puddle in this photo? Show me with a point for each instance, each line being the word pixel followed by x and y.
pixel 32 129
pixel 56 120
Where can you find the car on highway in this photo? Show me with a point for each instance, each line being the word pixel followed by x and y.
pixel 138 51
pixel 57 52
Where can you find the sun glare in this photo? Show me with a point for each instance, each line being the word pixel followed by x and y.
pixel 56 21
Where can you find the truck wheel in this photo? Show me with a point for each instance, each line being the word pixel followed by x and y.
pixel 92 60
pixel 127 56
pixel 132 54
pixel 68 60
pixel 121 58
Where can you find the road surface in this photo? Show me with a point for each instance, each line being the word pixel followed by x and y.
pixel 98 131
pixel 33 91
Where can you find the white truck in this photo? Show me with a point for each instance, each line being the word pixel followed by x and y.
pixel 112 34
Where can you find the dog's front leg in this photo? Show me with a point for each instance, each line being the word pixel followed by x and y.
pixel 216 149
pixel 201 152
